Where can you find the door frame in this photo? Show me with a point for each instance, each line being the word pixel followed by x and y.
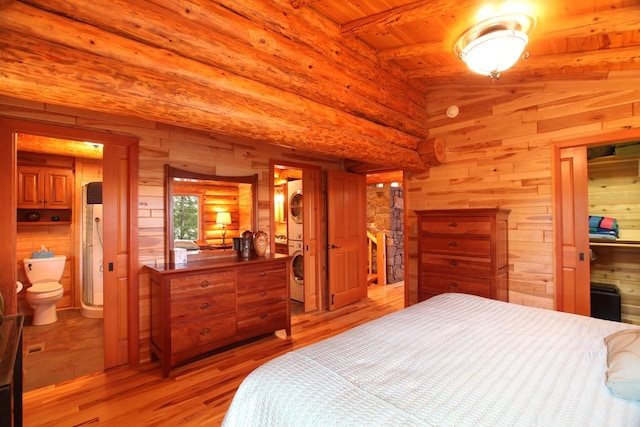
pixel 314 223
pixel 556 148
pixel 8 151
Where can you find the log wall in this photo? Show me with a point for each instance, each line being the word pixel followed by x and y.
pixel 498 154
pixel 182 148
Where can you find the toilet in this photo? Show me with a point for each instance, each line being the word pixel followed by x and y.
pixel 44 274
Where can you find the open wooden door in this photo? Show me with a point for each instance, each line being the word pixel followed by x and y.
pixel 116 254
pixel 347 238
pixel 574 271
pixel 311 237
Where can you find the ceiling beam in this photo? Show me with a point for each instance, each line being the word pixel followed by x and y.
pixel 301 3
pixel 419 10
pixel 413 50
pixel 605 21
pixel 541 64
pixel 385 177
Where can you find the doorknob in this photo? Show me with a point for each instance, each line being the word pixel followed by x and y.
pixel 333 247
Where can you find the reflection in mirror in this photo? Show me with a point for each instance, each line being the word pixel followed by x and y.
pixel 194 202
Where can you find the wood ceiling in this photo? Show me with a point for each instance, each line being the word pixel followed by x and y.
pixel 352 79
pixel 570 36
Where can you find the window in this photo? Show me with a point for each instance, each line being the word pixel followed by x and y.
pixel 186 217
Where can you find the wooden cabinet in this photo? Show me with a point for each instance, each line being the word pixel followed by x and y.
pixel 44 188
pixel 463 251
pixel 204 305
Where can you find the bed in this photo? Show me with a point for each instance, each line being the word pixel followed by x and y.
pixel 453 360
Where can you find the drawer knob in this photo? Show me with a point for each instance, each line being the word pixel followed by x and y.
pixel 263 274
pixel 205 306
pixel 453 285
pixel 453 244
pixel 204 283
pixel 263 294
pixel 264 316
pixel 453 224
pixel 205 331
pixel 453 263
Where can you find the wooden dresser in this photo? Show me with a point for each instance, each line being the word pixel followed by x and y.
pixel 204 305
pixel 463 251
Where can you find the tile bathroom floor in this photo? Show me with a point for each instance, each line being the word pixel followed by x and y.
pixel 70 348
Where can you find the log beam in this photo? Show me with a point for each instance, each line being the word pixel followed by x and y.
pixel 228 39
pixel 67 62
pixel 41 70
pixel 432 151
pixel 384 177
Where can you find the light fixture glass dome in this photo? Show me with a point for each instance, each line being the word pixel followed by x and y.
pixel 494 45
pixel 494 52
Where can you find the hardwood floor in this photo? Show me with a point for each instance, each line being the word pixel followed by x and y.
pixel 198 393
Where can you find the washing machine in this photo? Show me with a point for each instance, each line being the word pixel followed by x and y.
pixel 294 220
pixel 297 270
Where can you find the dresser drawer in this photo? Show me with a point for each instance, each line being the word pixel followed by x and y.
pixel 187 335
pixel 440 283
pixel 455 265
pixel 199 306
pixel 218 281
pixel 272 294
pixel 265 318
pixel 456 245
pixel 258 277
pixel 446 224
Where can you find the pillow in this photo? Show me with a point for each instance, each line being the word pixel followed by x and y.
pixel 623 363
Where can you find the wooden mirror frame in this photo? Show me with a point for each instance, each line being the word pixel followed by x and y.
pixel 172 173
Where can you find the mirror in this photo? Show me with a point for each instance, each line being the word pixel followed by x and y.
pixel 205 212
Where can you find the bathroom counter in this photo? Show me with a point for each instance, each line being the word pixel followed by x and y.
pixel 11 370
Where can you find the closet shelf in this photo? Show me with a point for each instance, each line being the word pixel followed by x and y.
pixel 618 244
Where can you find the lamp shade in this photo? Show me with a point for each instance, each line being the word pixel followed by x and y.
pixel 494 52
pixel 223 218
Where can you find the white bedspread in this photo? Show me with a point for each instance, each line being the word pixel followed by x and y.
pixel 453 360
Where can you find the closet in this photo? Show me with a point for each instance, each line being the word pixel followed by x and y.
pixel 614 192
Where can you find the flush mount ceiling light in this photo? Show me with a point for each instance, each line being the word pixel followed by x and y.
pixel 495 44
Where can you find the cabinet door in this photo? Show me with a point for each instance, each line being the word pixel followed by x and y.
pixel 30 188
pixel 58 190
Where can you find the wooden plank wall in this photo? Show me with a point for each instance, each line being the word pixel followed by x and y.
pixel 614 191
pixel 181 148
pixel 498 154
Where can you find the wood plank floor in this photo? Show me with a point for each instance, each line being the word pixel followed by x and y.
pixel 198 393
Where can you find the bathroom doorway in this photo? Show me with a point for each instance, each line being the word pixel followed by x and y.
pixel 120 336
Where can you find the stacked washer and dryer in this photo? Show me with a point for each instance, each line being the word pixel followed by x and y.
pixel 294 236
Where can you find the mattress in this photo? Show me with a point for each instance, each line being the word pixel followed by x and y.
pixel 453 360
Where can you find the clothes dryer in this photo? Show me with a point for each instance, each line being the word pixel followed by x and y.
pixel 294 220
pixel 296 283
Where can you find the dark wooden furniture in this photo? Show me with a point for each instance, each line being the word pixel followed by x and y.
pixel 44 188
pixel 463 250
pixel 11 371
pixel 204 305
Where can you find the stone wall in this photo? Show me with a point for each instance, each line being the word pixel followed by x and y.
pixel 385 214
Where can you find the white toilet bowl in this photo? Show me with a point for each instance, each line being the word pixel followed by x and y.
pixel 46 290
pixel 43 297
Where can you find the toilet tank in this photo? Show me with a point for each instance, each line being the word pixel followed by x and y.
pixel 44 269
